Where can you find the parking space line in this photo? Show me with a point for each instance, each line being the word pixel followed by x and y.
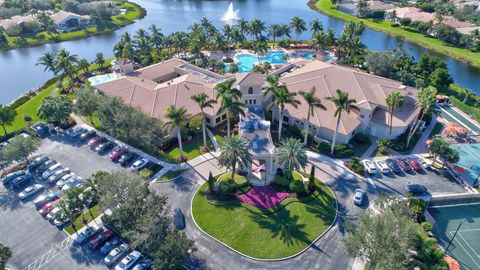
pixel 49 255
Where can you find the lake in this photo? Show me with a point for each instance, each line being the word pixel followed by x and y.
pixel 18 72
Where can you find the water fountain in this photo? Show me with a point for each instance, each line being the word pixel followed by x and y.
pixel 231 15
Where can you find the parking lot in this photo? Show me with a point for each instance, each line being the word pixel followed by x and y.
pixel 33 239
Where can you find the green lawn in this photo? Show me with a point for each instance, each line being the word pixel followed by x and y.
pixel 359 149
pixel 326 7
pixel 170 175
pixel 191 150
pixel 79 221
pixel 377 153
pixel 266 233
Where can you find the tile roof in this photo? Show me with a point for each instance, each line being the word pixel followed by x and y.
pixel 250 78
pixel 6 23
pixel 62 15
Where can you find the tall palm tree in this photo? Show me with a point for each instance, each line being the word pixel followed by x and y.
pixel 177 119
pixel 67 212
pixel 394 100
pixel 343 104
pixel 273 32
pixel 243 26
pixel 291 155
pixel 234 150
pixel 66 63
pixel 283 97
pixel 319 41
pixel 426 102
pixel 48 60
pixel 284 30
pixel 313 102
pixel 90 194
pixel 228 32
pixel 232 107
pixel 203 102
pixel 298 25
pixel 273 84
pixel 257 27
pixel 156 36
pixel 316 26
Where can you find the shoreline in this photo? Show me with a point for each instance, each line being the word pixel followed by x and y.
pixel 321 6
pixel 142 12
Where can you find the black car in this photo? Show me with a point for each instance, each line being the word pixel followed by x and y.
pixel 416 189
pixel 104 147
pixel 11 176
pixel 178 219
pixel 87 135
pixel 393 166
pixel 125 159
pixel 22 180
pixel 41 129
pixel 36 162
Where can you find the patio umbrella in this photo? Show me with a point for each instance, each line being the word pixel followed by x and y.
pixel 462 130
pixel 451 129
pixel 452 124
pixel 441 97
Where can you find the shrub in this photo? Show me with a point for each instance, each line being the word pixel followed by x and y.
pixel 356 166
pixel 282 181
pixel 20 101
pixel 405 21
pixel 361 138
pixel 227 60
pixel 341 150
pixel 417 207
pixel 292 129
pixel 297 187
pixel 427 226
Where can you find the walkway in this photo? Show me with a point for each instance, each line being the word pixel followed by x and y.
pixel 421 146
pixel 369 152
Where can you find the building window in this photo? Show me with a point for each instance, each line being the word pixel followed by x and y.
pixel 254 101
pixel 246 101
pixel 286 119
pixel 224 116
pixel 217 120
pixel 207 120
pixel 250 90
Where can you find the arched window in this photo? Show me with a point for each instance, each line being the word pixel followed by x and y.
pixel 250 90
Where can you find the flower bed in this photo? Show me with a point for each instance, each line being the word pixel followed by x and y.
pixel 263 197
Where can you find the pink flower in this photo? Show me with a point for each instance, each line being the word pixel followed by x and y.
pixel 263 197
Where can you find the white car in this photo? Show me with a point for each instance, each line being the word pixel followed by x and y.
pixel 30 191
pixel 74 132
pixel 74 182
pixel 51 170
pixel 425 163
pixel 369 166
pixel 116 254
pixel 53 214
pixel 60 183
pixel 60 222
pixel 382 166
pixel 130 260
pixel 358 197
pixel 139 164
pixel 56 175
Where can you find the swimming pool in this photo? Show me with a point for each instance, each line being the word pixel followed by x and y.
pixel 99 79
pixel 246 61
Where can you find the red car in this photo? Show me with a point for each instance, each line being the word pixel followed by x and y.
pixel 117 153
pixel 403 165
pixel 98 240
pixel 96 140
pixel 414 164
pixel 48 207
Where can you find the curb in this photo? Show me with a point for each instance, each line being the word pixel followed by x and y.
pixel 267 260
pixel 170 180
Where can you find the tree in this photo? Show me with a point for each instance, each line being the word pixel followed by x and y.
pixel 86 103
pixel 274 32
pixel 55 108
pixel 426 102
pixel 440 148
pixel 441 79
pixel 211 183
pixel 234 151
pixel 229 101
pixel 313 102
pixel 467 94
pixel 342 104
pixel 383 145
pixel 316 26
pixel 256 28
pixel 5 255
pixel 27 118
pixel 48 60
pixel 394 100
pixel 291 155
pixel 65 63
pixel 363 8
pixel 19 147
pixel 283 97
pixel 156 36
pixel 273 83
pixel 99 60
pixel 318 41
pixel 298 25
pixel 203 101
pixel 177 119
pixel 7 116
pixel 380 63
pixel 83 64
pixel 311 179
pixel 383 240
pixel 90 195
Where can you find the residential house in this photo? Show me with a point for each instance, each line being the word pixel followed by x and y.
pixel 67 21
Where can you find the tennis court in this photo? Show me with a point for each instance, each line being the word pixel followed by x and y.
pixel 465 248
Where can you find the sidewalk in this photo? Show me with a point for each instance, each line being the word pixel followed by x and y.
pixel 370 149
pixel 421 146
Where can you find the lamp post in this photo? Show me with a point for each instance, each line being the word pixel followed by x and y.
pixel 455 234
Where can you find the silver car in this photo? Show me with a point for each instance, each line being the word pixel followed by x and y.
pixel 116 254
pixel 358 197
pixel 60 183
pixel 129 261
pixel 51 170
pixel 30 191
pixel 56 175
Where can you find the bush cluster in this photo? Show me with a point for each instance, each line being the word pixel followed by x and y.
pixel 356 166
pixel 341 150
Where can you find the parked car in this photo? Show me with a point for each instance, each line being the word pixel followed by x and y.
pixel 414 164
pixel 21 180
pixel 403 165
pixel 426 163
pixel 382 166
pixel 57 175
pixel 108 246
pixel 369 166
pixel 116 254
pixel 178 219
pixel 56 167
pixel 392 163
pixel 117 153
pixel 30 191
pixel 86 234
pixel 126 158
pixel 42 168
pixel 52 214
pixel 45 198
pixel 98 240
pixel 139 164
pixel 416 189
pixel 96 140
pixel 129 261
pixel 76 131
pixel 104 147
pixel 60 222
pixel 87 135
pixel 41 129
pixel 36 162
pixel 60 183
pixel 11 176
pixel 72 183
pixel 143 264
pixel 48 207
pixel 358 197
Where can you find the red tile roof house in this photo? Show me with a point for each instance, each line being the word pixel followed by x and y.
pixel 173 82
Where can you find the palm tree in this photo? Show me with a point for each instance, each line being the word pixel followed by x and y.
pixel 203 102
pixel 394 100
pixel 426 102
pixel 67 212
pixel 274 31
pixel 234 150
pixel 313 102
pixel 257 27
pixel 228 32
pixel 291 155
pixel 298 25
pixel 273 84
pixel 284 30
pixel 283 97
pixel 66 63
pixel 156 36
pixel 343 104
pixel 177 119
pixel 316 26
pixel 83 64
pixel 243 26
pixel 229 101
pixel 48 60
pixel 319 41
